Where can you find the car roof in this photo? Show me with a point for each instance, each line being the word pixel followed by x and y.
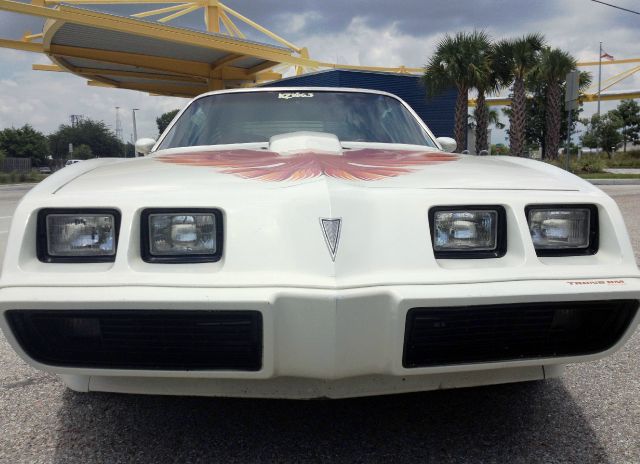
pixel 297 89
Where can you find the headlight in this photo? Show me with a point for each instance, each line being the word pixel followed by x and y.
pixel 181 235
pixel 66 235
pixel 468 232
pixel 563 230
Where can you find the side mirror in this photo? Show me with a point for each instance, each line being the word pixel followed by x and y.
pixel 447 143
pixel 144 146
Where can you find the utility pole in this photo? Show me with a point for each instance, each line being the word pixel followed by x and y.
pixel 118 124
pixel 119 131
pixel 599 77
pixel 135 129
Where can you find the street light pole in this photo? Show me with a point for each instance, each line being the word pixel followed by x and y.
pixel 135 130
pixel 599 77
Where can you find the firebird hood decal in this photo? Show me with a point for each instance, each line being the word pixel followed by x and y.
pixel 363 164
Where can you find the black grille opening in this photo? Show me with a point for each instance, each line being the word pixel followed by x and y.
pixel 470 334
pixel 141 339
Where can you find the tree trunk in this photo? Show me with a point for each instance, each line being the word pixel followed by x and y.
pixel 552 121
pixel 517 120
pixel 482 123
pixel 462 110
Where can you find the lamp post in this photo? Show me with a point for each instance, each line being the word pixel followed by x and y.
pixel 135 130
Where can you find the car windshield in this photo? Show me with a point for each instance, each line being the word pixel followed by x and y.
pixel 257 116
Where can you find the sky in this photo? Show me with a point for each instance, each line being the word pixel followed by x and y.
pixel 363 32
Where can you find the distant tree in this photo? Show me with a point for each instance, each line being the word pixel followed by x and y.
pixel 130 150
pixel 551 71
pixel 95 134
pixel 536 113
pixel 547 84
pixel 628 111
pixel 165 119
pixel 517 59
pixel 493 119
pixel 25 142
pixel 82 152
pixel 602 132
pixel 459 61
pixel 499 149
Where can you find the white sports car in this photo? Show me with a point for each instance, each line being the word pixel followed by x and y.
pixel 308 243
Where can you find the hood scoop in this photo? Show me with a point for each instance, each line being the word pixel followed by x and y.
pixel 296 142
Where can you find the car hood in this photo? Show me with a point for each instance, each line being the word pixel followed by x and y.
pixel 205 168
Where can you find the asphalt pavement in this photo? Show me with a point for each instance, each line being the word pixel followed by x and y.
pixel 590 415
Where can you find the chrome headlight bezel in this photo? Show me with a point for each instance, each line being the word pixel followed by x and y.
pixel 42 238
pixel 145 237
pixel 501 233
pixel 593 232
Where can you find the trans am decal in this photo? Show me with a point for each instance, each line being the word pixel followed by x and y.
pixel 365 164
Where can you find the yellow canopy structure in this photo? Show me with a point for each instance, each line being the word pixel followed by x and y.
pixel 138 53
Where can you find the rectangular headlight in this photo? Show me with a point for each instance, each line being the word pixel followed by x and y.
pixel 468 232
pixel 562 230
pixel 66 235
pixel 181 235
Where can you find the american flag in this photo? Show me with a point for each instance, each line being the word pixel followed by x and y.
pixel 606 56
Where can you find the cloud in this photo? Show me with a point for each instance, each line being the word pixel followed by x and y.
pixel 46 100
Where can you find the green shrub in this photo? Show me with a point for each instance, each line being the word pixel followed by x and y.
pixel 16 176
pixel 588 164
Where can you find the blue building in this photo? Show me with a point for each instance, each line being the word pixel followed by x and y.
pixel 438 112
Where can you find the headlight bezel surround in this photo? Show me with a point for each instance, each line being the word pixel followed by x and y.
pixel 501 233
pixel 145 237
pixel 42 242
pixel 593 233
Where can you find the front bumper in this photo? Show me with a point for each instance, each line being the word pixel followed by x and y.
pixel 324 342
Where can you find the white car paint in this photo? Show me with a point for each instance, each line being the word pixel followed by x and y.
pixel 332 328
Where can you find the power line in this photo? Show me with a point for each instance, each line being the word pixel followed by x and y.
pixel 617 7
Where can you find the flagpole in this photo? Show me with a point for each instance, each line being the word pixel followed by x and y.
pixel 599 77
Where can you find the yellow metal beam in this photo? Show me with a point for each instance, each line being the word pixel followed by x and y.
pixel 230 24
pixel 261 67
pixel 224 61
pixel 183 67
pixel 606 62
pixel 590 97
pixel 612 96
pixel 138 74
pixel 620 78
pixel 212 17
pixel 47 67
pixel 177 14
pixel 100 84
pixel 20 45
pixel 258 27
pixel 154 30
pixel 110 2
pixel 159 11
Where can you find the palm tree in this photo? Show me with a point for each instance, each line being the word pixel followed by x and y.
pixel 552 71
pixel 516 59
pixel 460 61
pixel 491 77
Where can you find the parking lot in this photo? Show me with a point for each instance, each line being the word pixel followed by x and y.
pixel 591 415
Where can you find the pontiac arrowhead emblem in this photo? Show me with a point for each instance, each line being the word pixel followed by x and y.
pixel 331 232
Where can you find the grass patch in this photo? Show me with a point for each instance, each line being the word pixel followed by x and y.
pixel 630 159
pixel 607 175
pixel 16 177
